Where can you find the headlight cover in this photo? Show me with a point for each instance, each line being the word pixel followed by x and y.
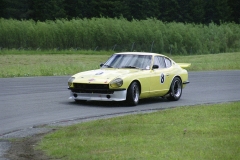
pixel 118 82
pixel 70 80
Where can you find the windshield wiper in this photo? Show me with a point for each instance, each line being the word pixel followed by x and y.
pixel 108 66
pixel 130 67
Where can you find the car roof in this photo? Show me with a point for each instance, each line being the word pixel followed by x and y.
pixel 141 53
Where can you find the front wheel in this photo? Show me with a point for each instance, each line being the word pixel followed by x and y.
pixel 133 94
pixel 175 91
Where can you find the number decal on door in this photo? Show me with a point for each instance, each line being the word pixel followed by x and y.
pixel 162 78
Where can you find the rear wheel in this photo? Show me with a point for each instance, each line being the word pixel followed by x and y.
pixel 133 94
pixel 175 91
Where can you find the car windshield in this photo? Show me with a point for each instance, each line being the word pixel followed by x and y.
pixel 129 61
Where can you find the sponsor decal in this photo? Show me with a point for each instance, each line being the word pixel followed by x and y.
pixel 99 73
pixel 92 79
pixel 106 80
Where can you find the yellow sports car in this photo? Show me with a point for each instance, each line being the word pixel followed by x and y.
pixel 130 76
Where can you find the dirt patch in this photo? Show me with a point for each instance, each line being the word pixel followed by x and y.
pixel 24 149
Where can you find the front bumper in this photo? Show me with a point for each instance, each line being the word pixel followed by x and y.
pixel 115 96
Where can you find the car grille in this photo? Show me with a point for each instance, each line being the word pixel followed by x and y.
pixel 91 88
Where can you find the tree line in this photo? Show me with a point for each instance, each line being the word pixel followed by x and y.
pixel 187 11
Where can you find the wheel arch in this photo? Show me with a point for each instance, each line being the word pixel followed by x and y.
pixel 178 76
pixel 139 84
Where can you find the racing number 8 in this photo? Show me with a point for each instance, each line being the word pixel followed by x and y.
pixel 162 78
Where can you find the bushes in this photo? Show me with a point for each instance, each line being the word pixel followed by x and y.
pixel 120 35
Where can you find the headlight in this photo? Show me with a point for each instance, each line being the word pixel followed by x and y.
pixel 70 80
pixel 116 83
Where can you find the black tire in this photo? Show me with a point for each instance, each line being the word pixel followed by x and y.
pixel 133 93
pixel 175 90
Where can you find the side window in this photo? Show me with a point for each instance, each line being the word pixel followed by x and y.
pixel 146 62
pixel 156 61
pixel 168 62
pixel 160 61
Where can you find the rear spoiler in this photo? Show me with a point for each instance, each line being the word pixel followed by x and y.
pixel 184 65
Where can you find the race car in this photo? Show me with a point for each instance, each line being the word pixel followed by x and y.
pixel 130 76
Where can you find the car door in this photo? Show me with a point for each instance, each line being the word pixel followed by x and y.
pixel 160 78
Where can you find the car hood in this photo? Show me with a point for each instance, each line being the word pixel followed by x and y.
pixel 102 75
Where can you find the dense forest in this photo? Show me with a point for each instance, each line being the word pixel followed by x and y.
pixel 164 26
pixel 187 11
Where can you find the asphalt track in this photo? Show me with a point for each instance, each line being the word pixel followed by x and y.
pixel 28 102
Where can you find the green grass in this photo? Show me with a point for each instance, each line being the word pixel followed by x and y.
pixel 211 62
pixel 105 33
pixel 199 132
pixel 25 65
pixel 56 63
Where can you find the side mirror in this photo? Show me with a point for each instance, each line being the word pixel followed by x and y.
pixel 155 66
pixel 101 64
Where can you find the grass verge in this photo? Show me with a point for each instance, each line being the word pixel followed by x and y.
pixel 57 63
pixel 199 132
